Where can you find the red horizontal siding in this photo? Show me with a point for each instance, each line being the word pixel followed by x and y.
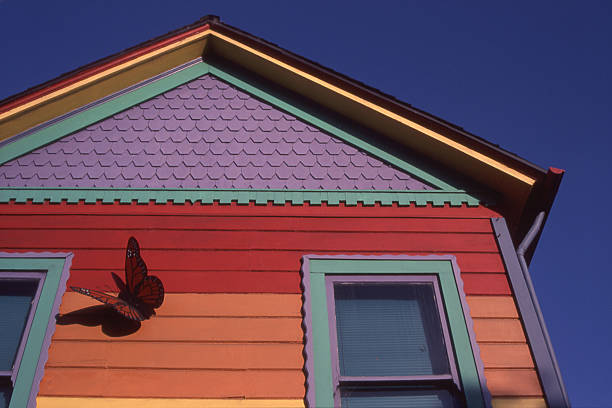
pixel 235 223
pixel 248 260
pixel 248 240
pixel 247 248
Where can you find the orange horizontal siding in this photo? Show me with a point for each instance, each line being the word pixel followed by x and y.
pixel 210 304
pixel 160 383
pixel 203 253
pixel 492 306
pixel 118 354
pixel 202 329
pixel 97 402
pixel 513 382
pixel 506 355
pixel 499 330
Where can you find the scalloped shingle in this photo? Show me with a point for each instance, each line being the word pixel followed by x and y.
pixel 204 134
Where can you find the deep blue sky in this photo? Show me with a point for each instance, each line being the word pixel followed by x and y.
pixel 533 77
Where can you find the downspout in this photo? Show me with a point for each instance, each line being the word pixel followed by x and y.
pixel 520 252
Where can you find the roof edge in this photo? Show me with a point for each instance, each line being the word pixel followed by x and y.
pixel 102 64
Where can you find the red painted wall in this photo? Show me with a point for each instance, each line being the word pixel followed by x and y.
pixel 240 248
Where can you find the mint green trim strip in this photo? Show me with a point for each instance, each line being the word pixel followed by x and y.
pixel 29 362
pixel 96 113
pixel 305 116
pixel 297 197
pixel 320 327
pixel 466 363
pixel 80 120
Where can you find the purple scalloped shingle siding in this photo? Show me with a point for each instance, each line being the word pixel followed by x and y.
pixel 204 134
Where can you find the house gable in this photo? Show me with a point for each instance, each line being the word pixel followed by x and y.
pixel 204 134
pixel 203 129
pixel 239 124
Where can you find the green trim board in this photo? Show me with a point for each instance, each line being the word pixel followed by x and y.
pixel 122 101
pixel 296 197
pixel 55 267
pixel 318 365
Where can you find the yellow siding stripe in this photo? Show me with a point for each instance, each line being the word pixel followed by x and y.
pixel 518 402
pixel 63 402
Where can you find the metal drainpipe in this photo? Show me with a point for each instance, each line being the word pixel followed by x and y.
pixel 520 252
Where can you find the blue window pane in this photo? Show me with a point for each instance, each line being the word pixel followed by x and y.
pixel 15 301
pixel 389 330
pixel 398 399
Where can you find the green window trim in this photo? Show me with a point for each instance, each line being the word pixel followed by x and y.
pixel 318 360
pixel 55 267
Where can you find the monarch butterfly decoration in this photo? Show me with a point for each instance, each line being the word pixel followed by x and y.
pixel 139 295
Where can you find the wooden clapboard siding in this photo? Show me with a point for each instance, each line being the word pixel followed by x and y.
pixel 231 272
pixel 513 382
pixel 213 304
pixel 308 241
pixel 229 223
pixel 239 252
pixel 181 355
pixel 241 345
pixel 93 259
pixel 156 383
pixel 492 306
pixel 72 402
pixel 505 355
pixel 499 330
pixel 200 329
pixel 509 367
pixel 518 402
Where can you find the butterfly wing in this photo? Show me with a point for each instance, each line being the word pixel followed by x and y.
pixel 135 268
pixel 151 292
pixel 120 284
pixel 119 305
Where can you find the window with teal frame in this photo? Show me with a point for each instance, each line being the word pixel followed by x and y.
pixel 389 331
pixel 31 288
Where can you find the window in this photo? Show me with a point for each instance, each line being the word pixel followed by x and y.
pixel 19 293
pixel 388 331
pixel 31 287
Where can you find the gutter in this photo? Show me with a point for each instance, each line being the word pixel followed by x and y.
pixel 520 252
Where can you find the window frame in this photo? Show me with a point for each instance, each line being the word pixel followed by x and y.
pixel 317 273
pixel 451 378
pixel 51 270
pixel 40 280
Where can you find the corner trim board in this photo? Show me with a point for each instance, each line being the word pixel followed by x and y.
pixel 551 383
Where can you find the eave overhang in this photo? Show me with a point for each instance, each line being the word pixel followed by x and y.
pixel 524 187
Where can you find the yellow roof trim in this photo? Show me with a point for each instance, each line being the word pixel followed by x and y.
pixel 458 146
pixel 441 138
pixel 103 74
